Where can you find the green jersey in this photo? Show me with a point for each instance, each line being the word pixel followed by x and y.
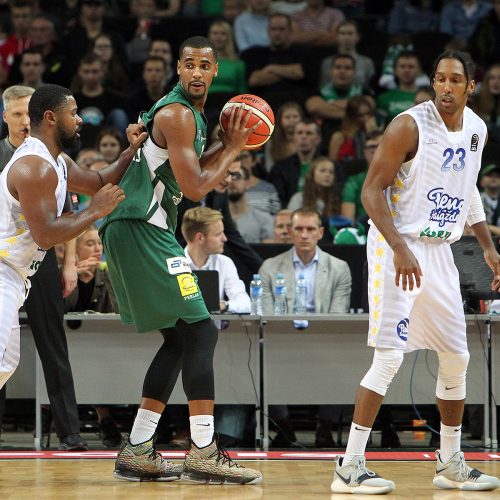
pixel 151 190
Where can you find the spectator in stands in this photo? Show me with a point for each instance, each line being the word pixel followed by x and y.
pixel 282 226
pixel 359 119
pixel 281 144
pixel 489 182
pixel 460 17
pixel 174 7
pixel 347 39
pixel 114 66
pixel 32 68
pixel 203 230
pixel 423 94
pixel 87 156
pixel 395 101
pixel 412 16
pixel 151 88
pixel 316 25
pixel 351 206
pixel 260 194
pixel 253 225
pixel 94 293
pixel 277 73
pixel 231 78
pixel 145 13
pixel 251 26
pixel 321 192
pixel 330 103
pixel 288 175
pixel 97 106
pixel 109 144
pixel 163 49
pixel 328 278
pixel 487 102
pixel 231 9
pixel 91 23
pixel 484 45
pixel 21 14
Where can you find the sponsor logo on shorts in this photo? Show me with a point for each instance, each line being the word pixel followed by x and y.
pixel 402 329
pixel 188 287
pixel 447 209
pixel 178 265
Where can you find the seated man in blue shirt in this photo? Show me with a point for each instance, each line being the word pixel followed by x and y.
pixel 328 278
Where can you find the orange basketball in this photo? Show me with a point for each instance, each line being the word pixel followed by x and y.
pixel 261 111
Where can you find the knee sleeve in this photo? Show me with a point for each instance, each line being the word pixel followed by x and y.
pixel 451 375
pixel 386 363
pixel 199 340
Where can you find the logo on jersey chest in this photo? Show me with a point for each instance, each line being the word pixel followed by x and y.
pixel 447 208
pixel 177 199
pixel 474 141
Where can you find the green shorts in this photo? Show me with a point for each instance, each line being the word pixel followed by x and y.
pixel 151 279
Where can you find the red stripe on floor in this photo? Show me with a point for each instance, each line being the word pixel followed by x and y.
pixel 253 455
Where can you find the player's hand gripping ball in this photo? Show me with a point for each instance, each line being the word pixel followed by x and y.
pixel 261 111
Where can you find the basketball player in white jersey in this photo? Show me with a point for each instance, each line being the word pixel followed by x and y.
pixel 32 194
pixel 419 193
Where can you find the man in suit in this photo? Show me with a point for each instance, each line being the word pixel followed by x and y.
pixel 328 278
pixel 328 291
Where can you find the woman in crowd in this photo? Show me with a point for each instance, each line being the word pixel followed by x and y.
pixel 321 192
pixel 487 102
pixel 109 144
pixel 115 74
pixel 347 143
pixel 94 293
pixel 281 144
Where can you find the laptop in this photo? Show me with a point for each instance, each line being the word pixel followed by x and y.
pixel 208 282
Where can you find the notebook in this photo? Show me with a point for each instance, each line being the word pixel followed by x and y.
pixel 208 282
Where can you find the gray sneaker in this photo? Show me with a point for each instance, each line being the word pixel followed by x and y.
pixel 142 462
pixel 456 474
pixel 212 465
pixel 354 477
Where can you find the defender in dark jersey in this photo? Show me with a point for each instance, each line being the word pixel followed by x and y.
pixel 152 278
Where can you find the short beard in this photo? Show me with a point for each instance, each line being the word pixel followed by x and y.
pixel 71 143
pixel 235 196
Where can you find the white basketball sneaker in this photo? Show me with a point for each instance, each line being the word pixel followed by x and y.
pixel 355 478
pixel 456 474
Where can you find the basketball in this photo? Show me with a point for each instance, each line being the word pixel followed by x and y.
pixel 261 111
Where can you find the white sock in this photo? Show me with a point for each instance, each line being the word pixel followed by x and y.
pixel 202 430
pixel 356 444
pixel 450 441
pixel 144 427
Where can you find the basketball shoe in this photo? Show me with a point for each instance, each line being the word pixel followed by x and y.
pixel 456 474
pixel 354 477
pixel 142 462
pixel 212 465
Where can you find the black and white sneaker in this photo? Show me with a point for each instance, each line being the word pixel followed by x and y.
pixel 354 477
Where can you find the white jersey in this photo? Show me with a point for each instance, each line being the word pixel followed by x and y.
pixel 17 247
pixel 431 194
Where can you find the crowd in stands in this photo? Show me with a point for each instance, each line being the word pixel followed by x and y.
pixel 335 72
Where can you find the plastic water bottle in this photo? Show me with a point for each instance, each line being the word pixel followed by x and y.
pixel 256 292
pixel 300 306
pixel 280 302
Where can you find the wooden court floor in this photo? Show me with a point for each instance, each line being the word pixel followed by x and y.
pixel 283 480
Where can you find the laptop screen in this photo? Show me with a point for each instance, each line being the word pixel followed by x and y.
pixel 208 282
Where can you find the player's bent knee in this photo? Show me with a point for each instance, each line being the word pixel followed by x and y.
pixel 451 381
pixel 386 363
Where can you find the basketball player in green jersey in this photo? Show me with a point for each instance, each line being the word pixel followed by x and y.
pixel 152 278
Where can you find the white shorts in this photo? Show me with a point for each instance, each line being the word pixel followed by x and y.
pixel 12 296
pixel 429 317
